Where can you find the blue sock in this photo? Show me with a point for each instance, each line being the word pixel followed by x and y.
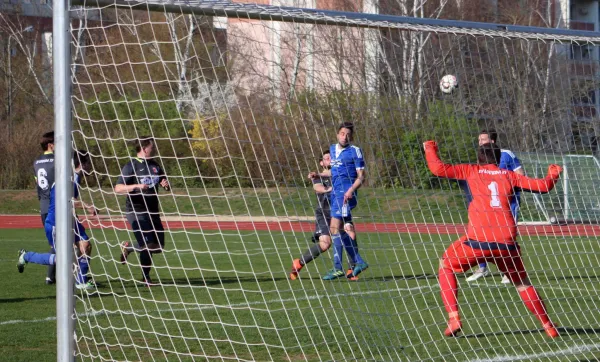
pixel 83 269
pixel 352 249
pixel 337 251
pixel 40 258
pixel 483 265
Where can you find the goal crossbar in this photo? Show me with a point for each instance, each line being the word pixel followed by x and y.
pixel 350 19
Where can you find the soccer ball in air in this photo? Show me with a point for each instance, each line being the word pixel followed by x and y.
pixel 448 84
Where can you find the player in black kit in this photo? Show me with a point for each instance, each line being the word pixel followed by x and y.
pixel 43 167
pixel 322 236
pixel 139 181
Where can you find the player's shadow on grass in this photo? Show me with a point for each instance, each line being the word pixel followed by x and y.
pixel 570 330
pixel 19 300
pixel 503 333
pixel 573 277
pixel 561 330
pixel 231 280
pixel 225 280
pixel 219 281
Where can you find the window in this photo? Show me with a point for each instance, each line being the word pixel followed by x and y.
pixel 581 52
pixel 585 98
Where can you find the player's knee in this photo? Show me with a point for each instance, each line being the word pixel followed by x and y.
pixel 442 264
pixel 154 247
pixel 84 248
pixel 523 284
pixel 77 250
pixel 335 223
pixel 446 264
pixel 324 242
pixel 349 227
pixel 334 230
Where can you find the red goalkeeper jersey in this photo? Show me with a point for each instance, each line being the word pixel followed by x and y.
pixel 490 217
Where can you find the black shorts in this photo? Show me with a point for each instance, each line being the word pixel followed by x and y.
pixel 147 228
pixel 44 216
pixel 486 245
pixel 322 222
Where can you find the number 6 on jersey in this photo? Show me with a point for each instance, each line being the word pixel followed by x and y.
pixel 41 179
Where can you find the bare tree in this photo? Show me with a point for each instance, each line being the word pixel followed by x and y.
pixel 23 68
pixel 16 32
pixel 26 97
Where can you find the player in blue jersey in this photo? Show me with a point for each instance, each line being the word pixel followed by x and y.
pixel 508 161
pixel 347 176
pixel 43 168
pixel 82 246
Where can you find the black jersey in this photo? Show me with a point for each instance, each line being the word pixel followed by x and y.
pixel 142 171
pixel 323 199
pixel 43 167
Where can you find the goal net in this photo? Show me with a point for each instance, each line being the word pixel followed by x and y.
pixel 575 199
pixel 241 101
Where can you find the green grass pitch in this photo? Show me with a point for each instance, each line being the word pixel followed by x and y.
pixel 227 296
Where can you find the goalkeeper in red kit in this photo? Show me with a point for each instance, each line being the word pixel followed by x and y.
pixel 491 232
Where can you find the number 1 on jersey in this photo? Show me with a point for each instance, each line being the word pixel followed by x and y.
pixel 493 187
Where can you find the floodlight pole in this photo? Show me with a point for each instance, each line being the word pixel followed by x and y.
pixel 61 56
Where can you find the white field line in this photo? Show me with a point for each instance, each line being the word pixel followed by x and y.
pixel 573 350
pixel 19 321
pixel 241 305
pixel 576 349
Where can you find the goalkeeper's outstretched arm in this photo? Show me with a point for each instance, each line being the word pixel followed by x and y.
pixel 538 185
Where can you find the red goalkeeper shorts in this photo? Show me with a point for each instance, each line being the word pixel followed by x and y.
pixel 464 254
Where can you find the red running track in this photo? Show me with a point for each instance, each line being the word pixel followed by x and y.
pixel 33 221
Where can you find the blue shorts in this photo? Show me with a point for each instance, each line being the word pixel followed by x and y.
pixel 339 209
pixel 514 206
pixel 80 233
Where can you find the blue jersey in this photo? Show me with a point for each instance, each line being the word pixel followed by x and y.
pixel 52 206
pixel 50 224
pixel 344 165
pixel 508 161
